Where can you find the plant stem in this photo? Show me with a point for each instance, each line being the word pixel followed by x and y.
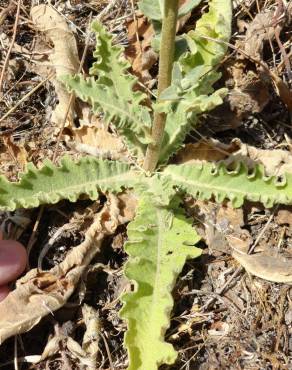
pixel 166 56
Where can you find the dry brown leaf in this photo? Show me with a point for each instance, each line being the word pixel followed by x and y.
pixel 90 343
pixel 276 161
pixel 128 204
pixel 139 52
pixel 73 349
pixel 17 151
pixel 220 226
pixel 62 343
pixel 210 150
pixel 64 58
pixel 39 293
pixel 260 29
pixel 267 26
pixel 97 141
pixel 284 92
pixel 94 138
pixel 250 94
pixel 266 266
pixel 182 20
pixel 284 216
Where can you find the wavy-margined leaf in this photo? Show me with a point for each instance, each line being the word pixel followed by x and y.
pixel 191 91
pixel 182 116
pixel 111 66
pixel 208 42
pixel 112 92
pixel 51 183
pixel 205 180
pixel 159 243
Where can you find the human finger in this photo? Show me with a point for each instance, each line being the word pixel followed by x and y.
pixel 13 259
pixel 4 291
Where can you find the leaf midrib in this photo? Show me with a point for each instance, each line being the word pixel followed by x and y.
pixel 205 185
pixel 117 179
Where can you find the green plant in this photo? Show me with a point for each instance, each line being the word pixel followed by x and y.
pixel 161 238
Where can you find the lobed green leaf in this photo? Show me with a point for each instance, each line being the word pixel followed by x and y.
pixel 205 180
pixel 71 179
pixel 208 43
pixel 159 243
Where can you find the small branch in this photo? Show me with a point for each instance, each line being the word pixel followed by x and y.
pixel 167 46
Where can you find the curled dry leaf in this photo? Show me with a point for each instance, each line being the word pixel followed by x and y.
pixel 266 266
pixel 266 27
pixel 64 58
pixel 17 151
pixel 98 141
pixel 39 293
pixel 73 349
pixel 284 216
pixel 276 161
pixel 260 29
pixel 139 52
pixel 62 342
pixel 250 94
pixel 93 137
pixel 206 150
pixel 221 227
pixel 90 343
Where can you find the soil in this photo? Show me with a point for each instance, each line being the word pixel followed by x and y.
pixel 247 325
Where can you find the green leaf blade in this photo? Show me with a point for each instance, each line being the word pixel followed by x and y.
pixel 71 179
pixel 156 256
pixel 205 180
pixel 151 9
pixel 208 43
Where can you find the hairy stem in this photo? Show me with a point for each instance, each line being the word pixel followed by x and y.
pixel 167 45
